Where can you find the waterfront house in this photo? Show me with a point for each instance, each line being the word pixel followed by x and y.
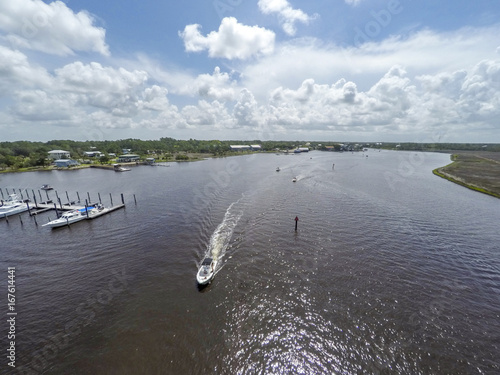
pixel 65 163
pixel 93 154
pixel 128 158
pixel 240 148
pixel 59 154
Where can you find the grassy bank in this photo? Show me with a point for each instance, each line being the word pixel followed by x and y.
pixel 479 171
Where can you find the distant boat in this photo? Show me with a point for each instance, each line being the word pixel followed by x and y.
pixel 119 168
pixel 12 206
pixel 294 179
pixel 46 187
pixel 278 169
pixel 206 271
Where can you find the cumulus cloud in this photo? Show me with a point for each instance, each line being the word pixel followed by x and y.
pixel 394 88
pixel 16 71
pixel 245 111
pixel 287 15
pixel 217 86
pixel 233 40
pixel 51 28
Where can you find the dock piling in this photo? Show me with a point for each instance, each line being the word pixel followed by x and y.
pixel 135 200
pixel 99 196
pixel 1 191
pixel 78 195
pixel 67 197
pixel 40 194
pixel 111 199
pixel 123 200
pixel 88 195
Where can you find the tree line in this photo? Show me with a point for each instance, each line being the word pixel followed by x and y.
pixel 26 154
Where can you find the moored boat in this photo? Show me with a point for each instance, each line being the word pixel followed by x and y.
pixel 206 271
pixel 119 168
pixel 70 217
pixel 46 187
pixel 12 206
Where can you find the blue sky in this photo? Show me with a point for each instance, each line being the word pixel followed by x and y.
pixel 328 70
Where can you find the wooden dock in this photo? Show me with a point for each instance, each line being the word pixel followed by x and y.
pixel 44 207
pixel 105 211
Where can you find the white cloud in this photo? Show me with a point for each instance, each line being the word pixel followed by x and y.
pixel 217 86
pixel 246 110
pixel 51 28
pixel 395 89
pixel 425 52
pixel 287 15
pixel 16 71
pixel 233 40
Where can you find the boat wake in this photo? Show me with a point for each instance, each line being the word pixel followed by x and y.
pixel 221 237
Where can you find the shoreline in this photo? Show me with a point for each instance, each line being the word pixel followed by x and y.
pixel 192 157
pixel 478 171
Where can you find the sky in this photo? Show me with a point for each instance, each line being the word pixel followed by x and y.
pixel 324 70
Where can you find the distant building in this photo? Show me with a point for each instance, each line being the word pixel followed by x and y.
pixel 128 158
pixel 126 151
pixel 59 154
pixel 93 154
pixel 240 148
pixel 256 147
pixel 65 163
pixel 298 150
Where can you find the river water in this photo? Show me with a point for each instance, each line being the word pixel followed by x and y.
pixel 391 270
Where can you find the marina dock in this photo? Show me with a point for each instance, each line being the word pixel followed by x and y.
pixel 36 206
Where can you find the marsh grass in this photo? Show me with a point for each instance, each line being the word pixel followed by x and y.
pixel 479 171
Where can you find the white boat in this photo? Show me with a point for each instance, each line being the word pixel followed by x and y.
pixel 70 217
pixel 46 187
pixel 294 179
pixel 12 206
pixel 206 271
pixel 119 168
pixel 278 169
